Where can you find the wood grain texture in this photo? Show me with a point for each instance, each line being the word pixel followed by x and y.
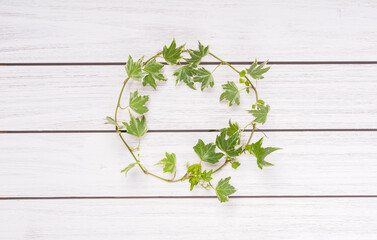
pixel 79 97
pixel 45 165
pixel 96 31
pixel 190 219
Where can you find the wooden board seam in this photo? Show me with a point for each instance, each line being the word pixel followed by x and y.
pixel 184 197
pixel 184 63
pixel 188 130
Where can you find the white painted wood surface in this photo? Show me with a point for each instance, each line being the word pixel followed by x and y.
pixel 317 164
pixel 311 163
pixel 96 31
pixel 79 97
pixel 330 218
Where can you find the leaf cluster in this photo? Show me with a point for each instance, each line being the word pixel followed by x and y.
pixel 228 144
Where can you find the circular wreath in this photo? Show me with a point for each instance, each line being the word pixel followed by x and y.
pixel 228 142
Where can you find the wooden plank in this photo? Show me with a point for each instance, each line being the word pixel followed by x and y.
pixel 95 31
pixel 190 219
pixel 79 97
pixel 311 163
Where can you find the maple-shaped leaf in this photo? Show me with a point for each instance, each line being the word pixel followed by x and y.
pixel 224 189
pixel 205 77
pixel 206 176
pixel 231 93
pixel 195 172
pixel 137 103
pixel 137 126
pixel 153 69
pixel 134 69
pixel 185 74
pixel 197 55
pixel 206 152
pixel 256 71
pixel 168 162
pixel 128 168
pixel 260 153
pixel 110 120
pixel 229 145
pixel 233 128
pixel 172 53
pixel 260 113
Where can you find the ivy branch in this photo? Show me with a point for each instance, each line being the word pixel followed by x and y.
pixel 228 142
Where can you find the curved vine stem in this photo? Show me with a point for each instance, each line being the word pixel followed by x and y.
pixel 247 79
pixel 186 176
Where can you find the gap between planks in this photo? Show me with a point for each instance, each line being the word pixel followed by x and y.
pixel 190 130
pixel 182 197
pixel 185 63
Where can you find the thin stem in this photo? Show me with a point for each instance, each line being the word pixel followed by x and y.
pixel 262 132
pixel 243 129
pixel 253 87
pixel 151 58
pixel 132 153
pixel 224 62
pixel 175 174
pixel 244 88
pixel 124 108
pixel 156 176
pixel 224 164
pixel 118 103
pixel 217 67
pixel 251 136
pixel 138 144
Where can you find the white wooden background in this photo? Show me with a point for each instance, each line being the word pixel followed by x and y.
pixel 61 68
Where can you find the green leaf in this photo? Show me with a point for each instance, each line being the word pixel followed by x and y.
pixel 137 103
pixel 231 93
pixel 110 120
pixel 172 54
pixel 260 113
pixel 193 182
pixel 206 176
pixel 195 170
pixel 224 189
pixel 137 126
pixel 185 74
pixel 153 69
pixel 242 73
pixel 197 55
pixel 256 71
pixel 228 145
pixel 260 153
pixel 128 168
pixel 233 128
pixel 235 165
pixel 134 69
pixel 205 77
pixel 168 162
pixel 206 152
